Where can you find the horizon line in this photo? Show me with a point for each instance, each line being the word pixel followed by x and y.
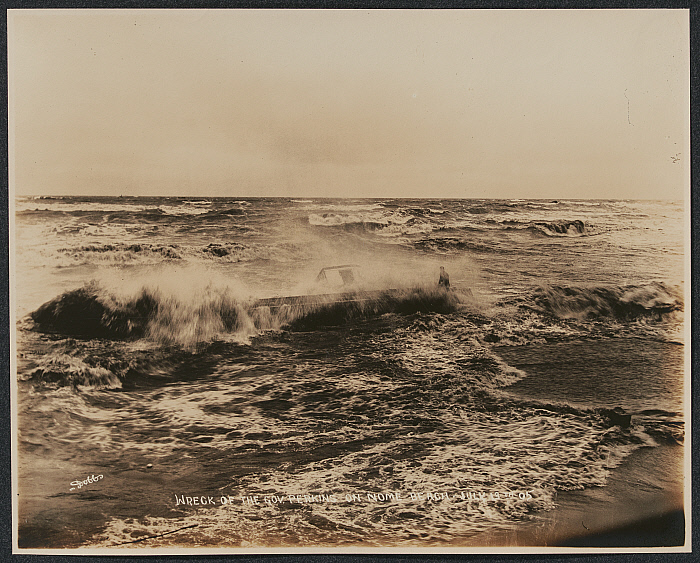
pixel 551 199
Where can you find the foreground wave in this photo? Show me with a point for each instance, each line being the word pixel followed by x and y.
pixel 94 312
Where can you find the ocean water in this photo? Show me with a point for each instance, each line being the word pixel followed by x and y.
pixel 161 403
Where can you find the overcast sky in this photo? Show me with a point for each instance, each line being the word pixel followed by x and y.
pixel 512 104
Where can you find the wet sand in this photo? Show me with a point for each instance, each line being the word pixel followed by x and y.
pixel 646 488
pixel 641 506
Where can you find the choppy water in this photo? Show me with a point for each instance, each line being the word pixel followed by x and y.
pixel 414 416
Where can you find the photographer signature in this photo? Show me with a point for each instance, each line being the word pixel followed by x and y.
pixel 89 480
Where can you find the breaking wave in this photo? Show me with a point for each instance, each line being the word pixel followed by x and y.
pixel 455 244
pixel 63 370
pixel 397 222
pixel 575 228
pixel 92 311
pixel 623 303
pixel 147 253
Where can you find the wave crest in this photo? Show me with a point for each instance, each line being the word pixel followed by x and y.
pixel 574 228
pixel 90 311
pixel 219 312
pixel 146 253
pixel 63 370
pixel 624 303
pixel 394 223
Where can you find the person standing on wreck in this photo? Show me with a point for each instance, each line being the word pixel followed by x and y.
pixel 444 278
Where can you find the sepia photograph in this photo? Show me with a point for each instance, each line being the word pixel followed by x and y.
pixel 349 281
